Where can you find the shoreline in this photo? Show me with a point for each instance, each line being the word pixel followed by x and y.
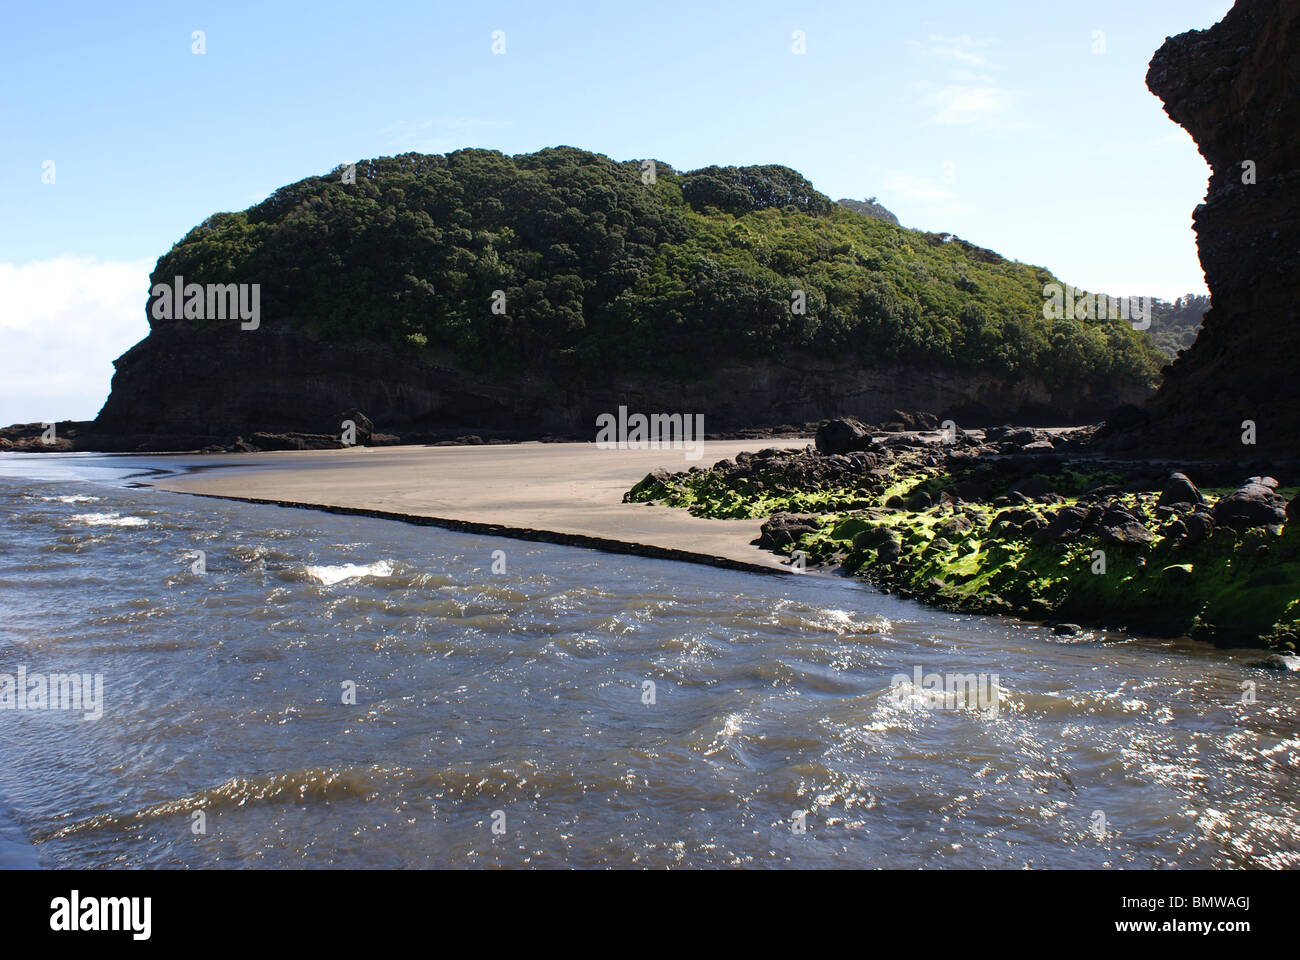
pixel 570 494
pixel 603 544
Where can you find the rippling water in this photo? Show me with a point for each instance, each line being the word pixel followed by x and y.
pixel 515 700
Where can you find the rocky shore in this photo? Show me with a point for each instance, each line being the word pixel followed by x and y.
pixel 84 436
pixel 1026 522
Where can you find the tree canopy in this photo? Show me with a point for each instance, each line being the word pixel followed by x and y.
pixel 603 272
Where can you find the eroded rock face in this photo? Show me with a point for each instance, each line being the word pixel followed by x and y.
pixel 184 389
pixel 1236 89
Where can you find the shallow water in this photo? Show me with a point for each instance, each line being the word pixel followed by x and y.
pixel 515 700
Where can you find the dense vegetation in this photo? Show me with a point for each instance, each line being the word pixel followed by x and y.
pixel 602 271
pixel 1174 325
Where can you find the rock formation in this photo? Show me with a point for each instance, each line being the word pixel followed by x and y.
pixel 1236 89
pixel 186 389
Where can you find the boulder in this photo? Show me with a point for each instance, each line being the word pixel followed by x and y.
pixel 1015 517
pixel 1019 436
pixel 953 526
pixel 1179 489
pixel 1199 526
pixel 906 420
pixel 1066 523
pixel 842 435
pixel 1252 505
pixel 1119 525
pixel 872 537
pixel 890 550
pixel 1286 663
pixel 784 529
pixel 1129 532
pixel 364 427
pixel 919 501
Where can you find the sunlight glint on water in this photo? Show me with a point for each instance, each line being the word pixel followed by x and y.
pixel 522 693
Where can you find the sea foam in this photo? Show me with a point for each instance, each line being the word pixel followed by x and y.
pixel 348 571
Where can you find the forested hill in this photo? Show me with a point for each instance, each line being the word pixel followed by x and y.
pixel 521 297
pixel 1175 323
pixel 602 272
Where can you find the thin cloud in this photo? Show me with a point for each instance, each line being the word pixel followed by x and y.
pixel 964 49
pixel 930 196
pixel 962 105
pixel 437 134
pixel 971 97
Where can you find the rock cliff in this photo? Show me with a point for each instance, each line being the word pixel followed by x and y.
pixel 185 389
pixel 1236 89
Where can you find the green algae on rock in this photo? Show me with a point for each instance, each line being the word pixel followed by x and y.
pixel 979 526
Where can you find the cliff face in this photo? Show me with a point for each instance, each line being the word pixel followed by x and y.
pixel 1235 89
pixel 183 389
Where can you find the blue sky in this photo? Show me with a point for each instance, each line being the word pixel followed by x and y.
pixel 994 121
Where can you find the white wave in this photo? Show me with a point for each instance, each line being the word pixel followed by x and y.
pixel 110 520
pixel 75 498
pixel 841 622
pixel 731 727
pixel 349 571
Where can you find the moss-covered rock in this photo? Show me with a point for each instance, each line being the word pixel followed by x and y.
pixel 1108 551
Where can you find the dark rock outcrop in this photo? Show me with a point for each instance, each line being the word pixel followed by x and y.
pixel 1253 505
pixel 842 435
pixel 1179 490
pixel 784 529
pixel 1236 89
pixel 187 389
pixel 57 437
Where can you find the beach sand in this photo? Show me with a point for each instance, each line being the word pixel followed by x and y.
pixel 567 493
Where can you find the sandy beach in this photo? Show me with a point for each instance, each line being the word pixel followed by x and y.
pixel 567 493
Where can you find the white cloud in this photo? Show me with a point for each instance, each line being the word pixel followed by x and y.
pixel 964 49
pixel 931 198
pixel 62 324
pixel 972 97
pixel 965 105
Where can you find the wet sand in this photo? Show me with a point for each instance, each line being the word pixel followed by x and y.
pixel 567 493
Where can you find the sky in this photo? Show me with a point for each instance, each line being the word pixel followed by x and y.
pixel 1023 126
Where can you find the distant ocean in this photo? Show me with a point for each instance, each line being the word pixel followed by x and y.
pixel 340 691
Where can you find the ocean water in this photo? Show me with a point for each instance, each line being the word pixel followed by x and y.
pixel 505 718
